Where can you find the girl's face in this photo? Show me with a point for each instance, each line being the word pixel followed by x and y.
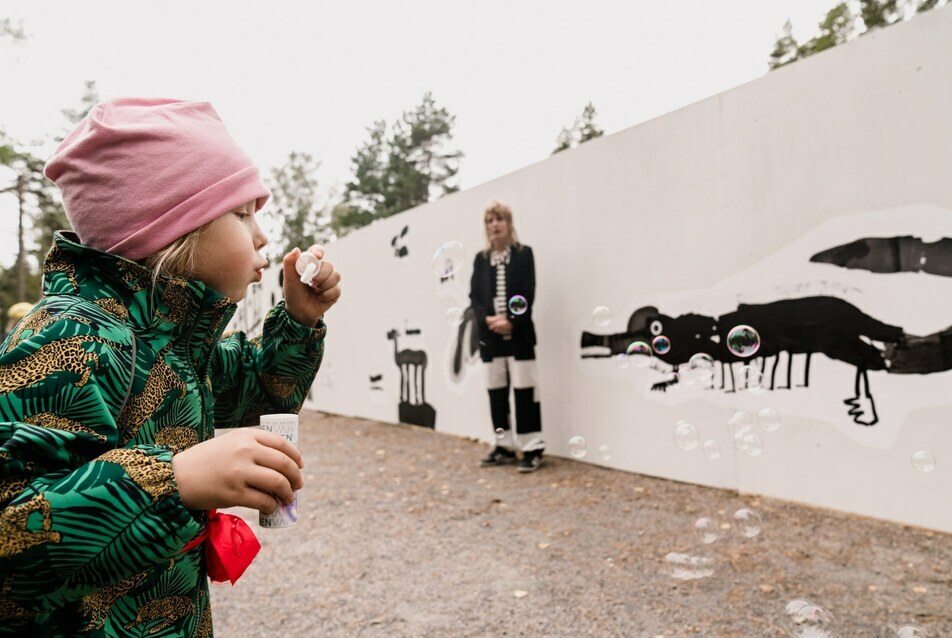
pixel 227 257
pixel 497 229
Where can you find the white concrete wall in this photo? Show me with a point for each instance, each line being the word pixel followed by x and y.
pixel 720 202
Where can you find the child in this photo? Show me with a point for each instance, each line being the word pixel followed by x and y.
pixel 111 387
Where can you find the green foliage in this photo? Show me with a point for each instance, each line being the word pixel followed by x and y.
pixel 302 221
pixel 786 50
pixel 840 25
pixel 8 30
pixel 411 165
pixel 582 131
pixel 879 13
pixel 836 28
pixel 39 209
pixel 346 218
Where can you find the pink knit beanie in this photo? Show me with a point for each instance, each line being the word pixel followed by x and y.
pixel 138 173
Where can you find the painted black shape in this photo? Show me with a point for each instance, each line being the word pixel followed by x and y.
pixel 467 341
pixel 808 325
pixel 400 250
pixel 376 378
pixel 892 255
pixel 413 407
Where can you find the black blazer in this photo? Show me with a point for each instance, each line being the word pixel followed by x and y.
pixel 520 280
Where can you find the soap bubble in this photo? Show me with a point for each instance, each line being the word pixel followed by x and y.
pixel 711 449
pixel 707 530
pixel 500 433
pixel 923 461
pixel 518 305
pixel 740 418
pixel 752 445
pixel 702 366
pixel 577 447
pixel 454 316
pixel 639 354
pixel 747 522
pixel 661 344
pixel 621 360
pixel 605 453
pixel 602 316
pixel 686 567
pixel 740 425
pixel 809 620
pixel 685 435
pixel 768 419
pixel 448 258
pixel 743 341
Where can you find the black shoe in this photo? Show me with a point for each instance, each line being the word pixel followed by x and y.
pixel 531 461
pixel 498 456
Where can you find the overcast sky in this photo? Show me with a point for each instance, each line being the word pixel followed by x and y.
pixel 312 76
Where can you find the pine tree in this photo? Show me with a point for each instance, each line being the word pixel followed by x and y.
pixel 411 165
pixel 785 50
pixel 302 221
pixel 583 130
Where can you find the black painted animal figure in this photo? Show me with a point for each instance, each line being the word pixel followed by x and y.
pixel 807 326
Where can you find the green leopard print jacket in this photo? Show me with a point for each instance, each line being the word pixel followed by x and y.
pixel 100 385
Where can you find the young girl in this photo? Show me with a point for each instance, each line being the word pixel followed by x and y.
pixel 111 387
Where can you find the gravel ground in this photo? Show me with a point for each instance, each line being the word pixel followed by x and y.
pixel 403 534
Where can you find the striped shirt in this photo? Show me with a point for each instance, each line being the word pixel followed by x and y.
pixel 500 260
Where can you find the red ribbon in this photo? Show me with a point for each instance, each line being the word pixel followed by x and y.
pixel 231 546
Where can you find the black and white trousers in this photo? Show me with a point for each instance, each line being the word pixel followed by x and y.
pixel 501 373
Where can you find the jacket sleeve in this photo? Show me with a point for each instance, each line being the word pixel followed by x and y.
pixel 526 288
pixel 480 311
pixel 78 513
pixel 270 374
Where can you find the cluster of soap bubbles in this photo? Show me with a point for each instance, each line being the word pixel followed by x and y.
pixel 741 427
pixel 578 448
pixel 745 522
pixel 745 437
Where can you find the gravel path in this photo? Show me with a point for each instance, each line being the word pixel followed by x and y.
pixel 403 534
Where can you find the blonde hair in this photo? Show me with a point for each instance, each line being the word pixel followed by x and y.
pixel 178 258
pixel 496 208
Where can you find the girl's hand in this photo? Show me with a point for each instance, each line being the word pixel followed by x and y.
pixel 247 467
pixel 307 304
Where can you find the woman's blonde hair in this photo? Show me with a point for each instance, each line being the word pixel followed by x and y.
pixel 496 208
pixel 178 258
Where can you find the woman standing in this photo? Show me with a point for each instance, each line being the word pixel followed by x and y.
pixel 502 293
